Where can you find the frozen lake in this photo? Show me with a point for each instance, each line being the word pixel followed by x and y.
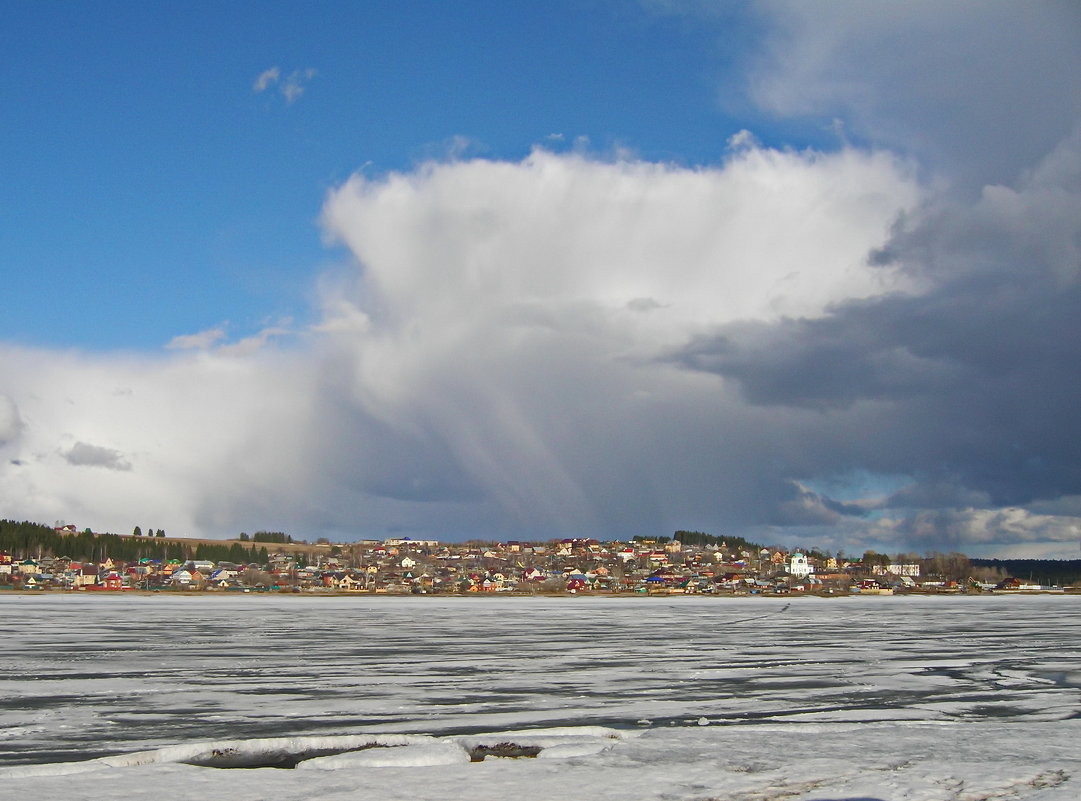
pixel 641 698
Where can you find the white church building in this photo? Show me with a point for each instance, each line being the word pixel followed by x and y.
pixel 798 566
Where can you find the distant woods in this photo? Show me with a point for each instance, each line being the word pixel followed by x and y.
pixel 1044 571
pixel 33 540
pixel 701 539
pixel 270 536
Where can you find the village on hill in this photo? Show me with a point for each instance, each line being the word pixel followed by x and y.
pixel 687 563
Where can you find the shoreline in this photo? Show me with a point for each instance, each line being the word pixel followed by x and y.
pixel 521 595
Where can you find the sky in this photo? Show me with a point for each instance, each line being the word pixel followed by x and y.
pixel 805 273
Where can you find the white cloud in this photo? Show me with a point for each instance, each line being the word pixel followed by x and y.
pixel 249 345
pixel 267 78
pixel 212 338
pixel 294 85
pixel 766 235
pixel 199 341
pixel 290 87
pixel 198 443
pixel 742 139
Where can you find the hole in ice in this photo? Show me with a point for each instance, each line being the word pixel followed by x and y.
pixel 508 750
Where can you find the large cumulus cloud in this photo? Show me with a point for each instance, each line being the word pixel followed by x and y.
pixel 509 317
pixel 498 365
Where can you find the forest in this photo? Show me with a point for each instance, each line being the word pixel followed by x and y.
pixel 34 540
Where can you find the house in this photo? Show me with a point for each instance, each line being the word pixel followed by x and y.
pixel 83 575
pixel 221 578
pixel 114 581
pixel 910 570
pixel 185 578
pixel 349 584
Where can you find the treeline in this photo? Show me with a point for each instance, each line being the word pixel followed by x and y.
pixel 702 539
pixel 279 537
pixel 1062 572
pixel 234 552
pixel 138 532
pixel 25 540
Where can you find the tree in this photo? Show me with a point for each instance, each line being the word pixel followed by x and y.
pixel 254 577
pixel 244 537
pixel 871 558
pixel 138 532
pixel 161 533
pixel 954 566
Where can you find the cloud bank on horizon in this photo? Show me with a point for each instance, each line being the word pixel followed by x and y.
pixel 870 345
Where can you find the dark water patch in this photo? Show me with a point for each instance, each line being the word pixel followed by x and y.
pixel 39 702
pixel 14 758
pixel 505 750
pixel 994 711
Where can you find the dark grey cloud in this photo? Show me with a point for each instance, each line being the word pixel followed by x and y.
pixel 975 93
pixel 799 506
pixel 11 424
pixel 971 383
pixel 83 454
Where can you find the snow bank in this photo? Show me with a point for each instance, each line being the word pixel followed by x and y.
pixel 350 751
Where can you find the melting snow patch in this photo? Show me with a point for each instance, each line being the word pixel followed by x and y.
pixel 347 751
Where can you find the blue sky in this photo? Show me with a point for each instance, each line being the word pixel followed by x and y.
pixel 149 191
pixel 804 272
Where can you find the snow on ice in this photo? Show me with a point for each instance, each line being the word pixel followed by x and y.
pixel 915 698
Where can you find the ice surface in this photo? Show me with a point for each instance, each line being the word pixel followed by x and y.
pixel 886 698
